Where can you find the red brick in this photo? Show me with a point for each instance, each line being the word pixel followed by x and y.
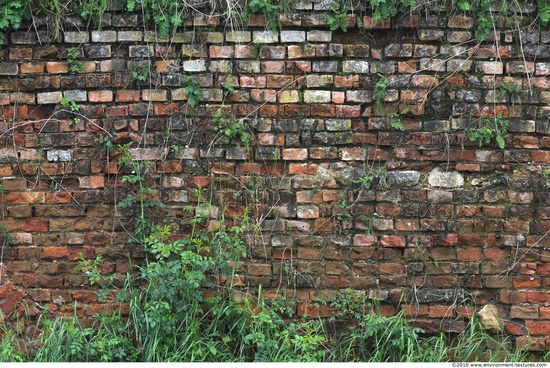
pixel 35 225
pixel 537 297
pixel 271 67
pixel 388 210
pixel 100 96
pixel 85 296
pixel 10 297
pixel 414 311
pixel 544 312
pixel 169 167
pixel 166 109
pixel 538 328
pixel 294 154
pixel 56 67
pixel 32 68
pixel 91 182
pixel 465 311
pixel 222 168
pixel 199 181
pixel 302 169
pixel 392 268
pixel 337 282
pixel 347 111
pixel 442 311
pixel 127 96
pixel 86 252
pixel 541 156
pixel 407 67
pixel 114 111
pixel 526 282
pixel 249 81
pixel 514 328
pixel 468 255
pixel 496 255
pixel 248 168
pixel 325 224
pixel 392 241
pixel 363 240
pixel 349 81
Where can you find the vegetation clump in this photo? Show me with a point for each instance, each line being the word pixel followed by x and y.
pixel 189 309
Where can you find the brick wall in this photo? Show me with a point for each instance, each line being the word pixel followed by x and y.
pixel 446 226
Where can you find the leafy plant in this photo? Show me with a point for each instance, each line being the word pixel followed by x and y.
pixel 74 64
pixel 512 90
pixel 93 8
pixel 489 128
pixel 166 15
pixel 338 17
pixel 233 129
pixel 379 94
pixel 365 181
pixel 270 8
pixel 144 74
pixel 384 9
pixel 192 89
pixel 228 88
pixel 71 104
pixel 544 11
pixel 12 13
pixel 395 121
pixel 8 347
pixel 344 217
pixel 106 145
pixel 91 269
pixel 485 24
pixel 463 5
pixel 143 198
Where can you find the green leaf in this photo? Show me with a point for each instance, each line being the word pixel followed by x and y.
pixel 500 142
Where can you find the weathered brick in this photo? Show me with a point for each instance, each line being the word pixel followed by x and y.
pixel 293 36
pixel 238 37
pixel 355 66
pixel 105 36
pixel 129 36
pixel 49 97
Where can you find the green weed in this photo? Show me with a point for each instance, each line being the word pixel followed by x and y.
pixel 489 128
pixel 233 129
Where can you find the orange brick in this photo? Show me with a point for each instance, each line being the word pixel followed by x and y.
pixel 32 68
pixel 127 96
pixel 57 67
pixel 90 182
pixel 295 154
pixel 100 96
pixel 55 252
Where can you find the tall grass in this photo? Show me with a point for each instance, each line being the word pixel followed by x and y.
pixel 224 330
pixel 188 311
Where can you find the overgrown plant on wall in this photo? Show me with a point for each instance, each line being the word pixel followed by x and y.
pixel 169 15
